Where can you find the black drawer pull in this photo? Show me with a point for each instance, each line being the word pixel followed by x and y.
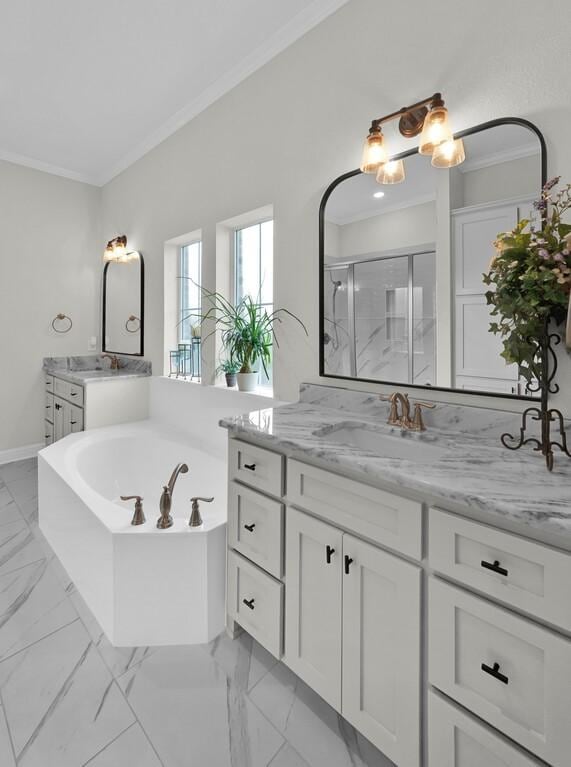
pixel 329 551
pixel 73 394
pixel 73 423
pixel 249 603
pixel 48 407
pixel 348 562
pixel 495 672
pixel 250 466
pixel 494 567
pixel 250 528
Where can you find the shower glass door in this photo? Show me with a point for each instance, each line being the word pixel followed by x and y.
pixel 338 333
pixel 393 298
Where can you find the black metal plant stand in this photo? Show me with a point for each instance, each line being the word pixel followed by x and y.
pixel 547 358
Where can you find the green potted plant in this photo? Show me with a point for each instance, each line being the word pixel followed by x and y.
pixel 530 280
pixel 248 333
pixel 229 367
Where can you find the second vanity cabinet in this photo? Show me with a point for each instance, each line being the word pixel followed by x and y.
pixel 444 641
pixel 64 409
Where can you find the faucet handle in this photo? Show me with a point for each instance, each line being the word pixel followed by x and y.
pixel 418 421
pixel 138 516
pixel 195 518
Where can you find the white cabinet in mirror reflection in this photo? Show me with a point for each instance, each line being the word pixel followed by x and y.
pixel 478 361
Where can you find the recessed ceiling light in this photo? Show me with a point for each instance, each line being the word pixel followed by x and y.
pixel 378 195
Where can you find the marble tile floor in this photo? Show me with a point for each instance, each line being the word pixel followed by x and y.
pixel 68 698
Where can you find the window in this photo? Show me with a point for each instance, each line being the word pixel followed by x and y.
pixel 254 269
pixel 190 304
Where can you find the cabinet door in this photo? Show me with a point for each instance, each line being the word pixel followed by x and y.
pixel 59 418
pixel 381 649
pixel 74 415
pixel 313 603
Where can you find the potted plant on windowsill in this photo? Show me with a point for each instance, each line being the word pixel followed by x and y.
pixel 248 333
pixel 230 368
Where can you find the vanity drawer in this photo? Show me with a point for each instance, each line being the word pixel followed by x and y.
pixel 255 527
pixel 69 391
pixel 75 418
pixel 528 576
pixel 49 408
pixel 49 379
pixel 255 601
pixel 509 671
pixel 456 739
pixel 48 432
pixel 383 517
pixel 256 467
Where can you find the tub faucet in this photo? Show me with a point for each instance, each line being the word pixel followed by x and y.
pixel 165 520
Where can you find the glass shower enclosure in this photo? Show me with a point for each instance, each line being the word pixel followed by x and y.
pixel 380 318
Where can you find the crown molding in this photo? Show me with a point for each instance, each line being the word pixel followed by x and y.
pixel 505 155
pixel 298 26
pixel 412 202
pixel 44 167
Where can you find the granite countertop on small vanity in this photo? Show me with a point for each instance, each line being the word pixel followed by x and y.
pixel 472 470
pixel 85 369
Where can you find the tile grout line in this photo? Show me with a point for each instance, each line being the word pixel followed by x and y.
pixel 32 644
pixel 91 758
pixel 137 720
pixel 8 730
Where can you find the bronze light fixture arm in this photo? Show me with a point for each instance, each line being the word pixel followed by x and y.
pixel 417 111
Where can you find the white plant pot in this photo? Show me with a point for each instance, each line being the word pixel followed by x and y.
pixel 247 381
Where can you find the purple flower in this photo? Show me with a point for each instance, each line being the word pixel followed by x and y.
pixel 542 253
pixel 540 205
pixel 559 257
pixel 551 183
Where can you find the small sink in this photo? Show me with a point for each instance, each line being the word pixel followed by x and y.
pixel 404 446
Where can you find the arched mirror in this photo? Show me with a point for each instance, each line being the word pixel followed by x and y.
pixel 123 306
pixel 401 265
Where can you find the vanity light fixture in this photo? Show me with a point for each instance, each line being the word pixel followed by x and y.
pixel 116 250
pixel 428 117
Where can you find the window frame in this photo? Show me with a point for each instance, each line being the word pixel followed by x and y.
pixel 181 276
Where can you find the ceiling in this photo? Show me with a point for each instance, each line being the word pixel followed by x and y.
pixel 86 88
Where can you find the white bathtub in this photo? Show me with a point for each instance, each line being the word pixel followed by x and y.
pixel 144 585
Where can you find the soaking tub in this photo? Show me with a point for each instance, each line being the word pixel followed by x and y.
pixel 145 586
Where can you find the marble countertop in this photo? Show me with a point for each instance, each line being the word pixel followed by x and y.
pixel 82 369
pixel 469 466
pixel 85 376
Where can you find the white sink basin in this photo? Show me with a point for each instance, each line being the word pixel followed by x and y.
pixel 405 446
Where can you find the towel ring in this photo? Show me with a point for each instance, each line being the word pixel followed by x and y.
pixel 132 319
pixel 58 318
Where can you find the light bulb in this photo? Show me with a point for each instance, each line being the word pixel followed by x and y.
pixel 436 129
pixel 392 172
pixel 449 154
pixel 374 152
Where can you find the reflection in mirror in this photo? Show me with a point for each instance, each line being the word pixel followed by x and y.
pixel 403 295
pixel 123 320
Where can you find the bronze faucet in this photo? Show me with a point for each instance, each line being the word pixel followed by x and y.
pixel 403 418
pixel 138 516
pixel 195 518
pixel 165 503
pixel 115 363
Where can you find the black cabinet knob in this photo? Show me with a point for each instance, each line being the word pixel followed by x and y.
pixel 348 563
pixel 250 528
pixel 249 603
pixel 495 672
pixel 494 567
pixel 250 466
pixel 329 551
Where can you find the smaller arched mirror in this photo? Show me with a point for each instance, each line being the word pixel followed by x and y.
pixel 123 320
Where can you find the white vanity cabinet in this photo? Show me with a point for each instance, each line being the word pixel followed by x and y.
pixel 71 407
pixel 63 409
pixel 443 640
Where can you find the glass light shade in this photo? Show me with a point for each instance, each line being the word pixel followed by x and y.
pixel 449 154
pixel 391 172
pixel 436 130
pixel 108 255
pixel 374 152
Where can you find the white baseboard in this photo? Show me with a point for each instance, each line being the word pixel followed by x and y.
pixel 20 453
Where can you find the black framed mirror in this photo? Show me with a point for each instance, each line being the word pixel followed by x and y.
pixel 401 294
pixel 123 315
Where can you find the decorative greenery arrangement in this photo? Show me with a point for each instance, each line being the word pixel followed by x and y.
pixel 531 274
pixel 248 331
